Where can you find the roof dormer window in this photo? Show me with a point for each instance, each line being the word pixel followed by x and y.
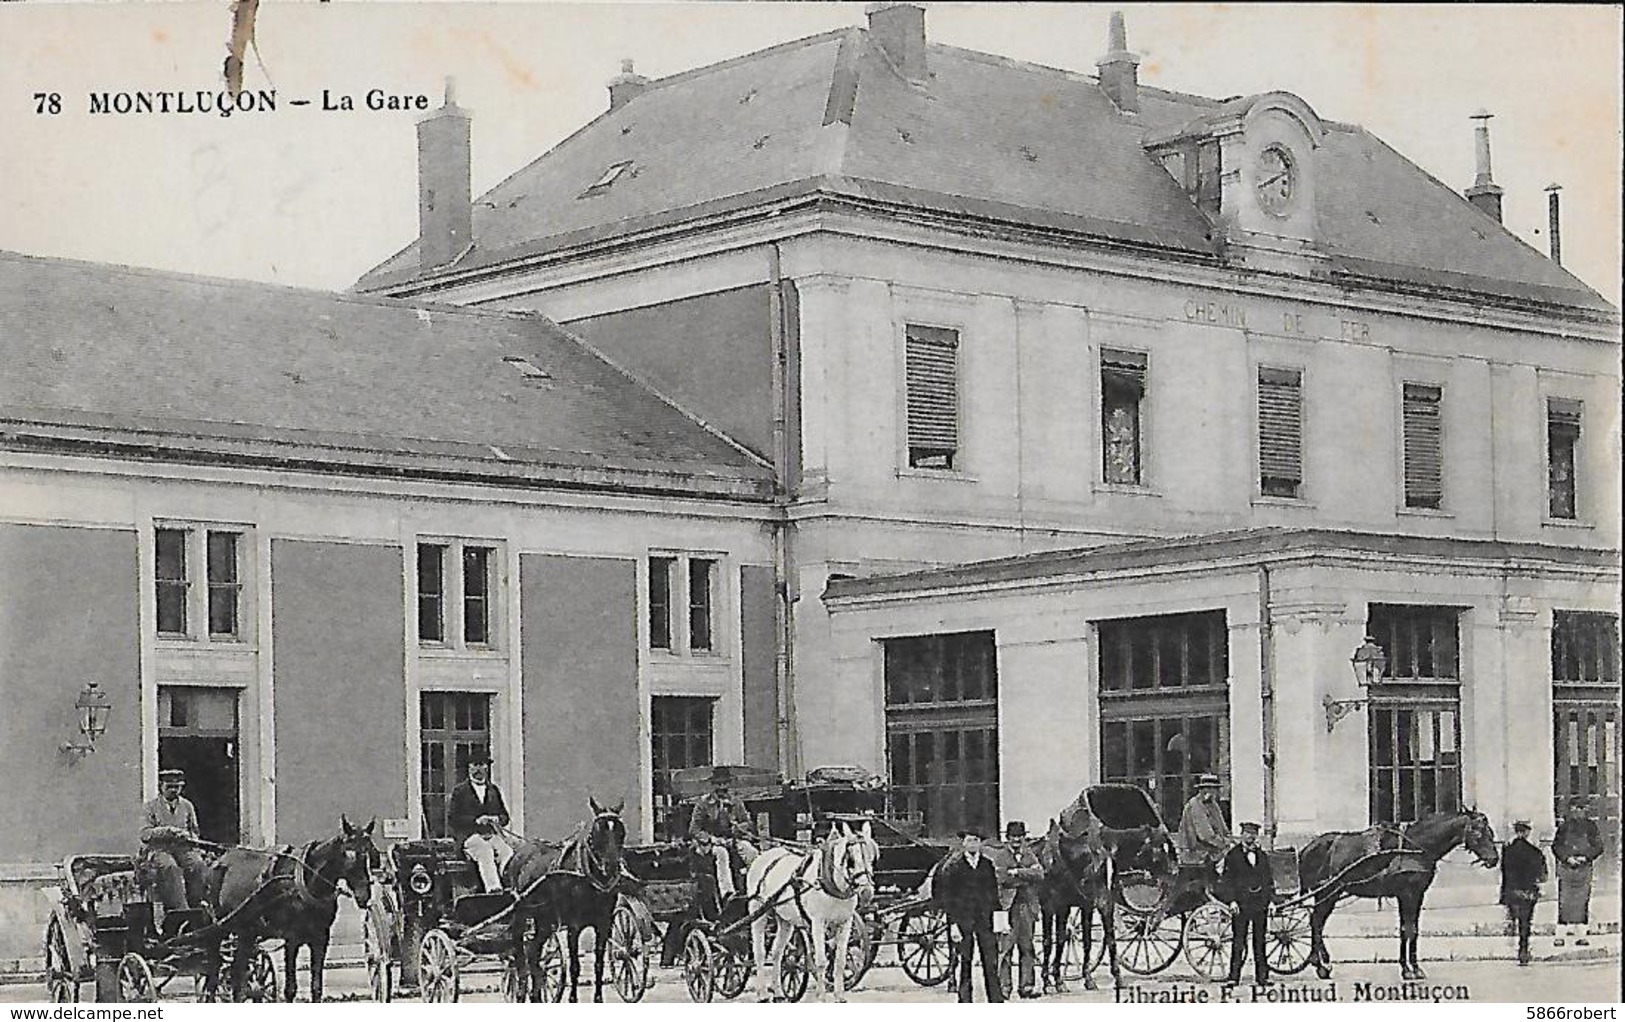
pixel 1196 166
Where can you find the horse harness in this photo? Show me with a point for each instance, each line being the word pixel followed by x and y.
pixel 798 887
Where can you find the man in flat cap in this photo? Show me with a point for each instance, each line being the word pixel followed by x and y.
pixel 1246 868
pixel 170 857
pixel 722 815
pixel 1576 847
pixel 475 815
pixel 968 889
pixel 1523 870
pixel 1204 834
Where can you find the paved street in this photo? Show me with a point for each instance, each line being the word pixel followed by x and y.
pixel 1567 982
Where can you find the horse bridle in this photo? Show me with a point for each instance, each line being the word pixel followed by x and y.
pixel 592 866
pixel 854 877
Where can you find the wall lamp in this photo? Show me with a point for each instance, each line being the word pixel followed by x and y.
pixel 92 706
pixel 1369 663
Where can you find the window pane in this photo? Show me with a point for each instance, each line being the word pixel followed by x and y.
pixel 699 604
pixel 224 589
pixel 660 581
pixel 431 592
pixel 170 574
pixel 477 563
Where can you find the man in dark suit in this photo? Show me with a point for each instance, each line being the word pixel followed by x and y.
pixel 1523 870
pixel 968 888
pixel 475 815
pixel 1246 870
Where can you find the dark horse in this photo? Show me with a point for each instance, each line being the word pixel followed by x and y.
pixel 1387 862
pixel 575 886
pixel 291 893
pixel 1085 870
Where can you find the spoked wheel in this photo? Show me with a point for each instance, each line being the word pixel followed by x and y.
pixel 375 946
pixel 860 953
pixel 925 946
pixel 1147 942
pixel 734 967
pixel 437 968
pixel 552 972
pixel 628 955
pixel 1207 941
pixel 795 968
pixel 61 978
pixel 510 981
pixel 135 983
pixel 1288 939
pixel 699 967
pixel 260 984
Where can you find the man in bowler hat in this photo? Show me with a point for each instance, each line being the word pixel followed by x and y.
pixel 968 888
pixel 1018 895
pixel 1246 867
pixel 476 814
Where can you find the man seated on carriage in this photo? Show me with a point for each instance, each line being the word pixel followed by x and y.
pixel 475 815
pixel 722 817
pixel 170 860
pixel 1204 834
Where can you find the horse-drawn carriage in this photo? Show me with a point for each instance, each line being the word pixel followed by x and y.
pixel 103 932
pixel 430 920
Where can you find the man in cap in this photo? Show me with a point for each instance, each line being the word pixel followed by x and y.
pixel 169 853
pixel 1523 869
pixel 1576 846
pixel 475 815
pixel 1204 834
pixel 724 817
pixel 1018 895
pixel 1246 868
pixel 968 889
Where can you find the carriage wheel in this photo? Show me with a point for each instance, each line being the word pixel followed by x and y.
pixel 135 984
pixel 1148 942
pixel 61 978
pixel 925 946
pixel 553 968
pixel 795 968
pixel 437 968
pixel 699 971
pixel 1207 941
pixel 734 968
pixel 860 953
pixel 1288 939
pixel 628 955
pixel 375 946
pixel 259 986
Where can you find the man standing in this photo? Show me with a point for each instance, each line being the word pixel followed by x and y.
pixel 724 817
pixel 1576 847
pixel 1018 895
pixel 969 891
pixel 475 815
pixel 1247 869
pixel 1203 833
pixel 1523 869
pixel 169 854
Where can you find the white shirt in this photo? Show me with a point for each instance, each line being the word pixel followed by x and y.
pixel 479 791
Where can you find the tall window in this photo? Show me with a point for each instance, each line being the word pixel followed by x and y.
pixel 452 727
pixel 1165 703
pixel 1280 432
pixel 171 578
pixel 682 732
pixel 942 729
pixel 1122 389
pixel 453 575
pixel 682 603
pixel 1562 441
pixel 931 373
pixel 218 603
pixel 1415 713
pixel 1586 741
pixel 1424 446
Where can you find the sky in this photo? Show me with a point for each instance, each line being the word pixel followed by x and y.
pixel 315 199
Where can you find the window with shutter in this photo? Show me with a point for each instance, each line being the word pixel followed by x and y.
pixel 1122 388
pixel 1424 446
pixel 1562 439
pixel 932 384
pixel 1280 432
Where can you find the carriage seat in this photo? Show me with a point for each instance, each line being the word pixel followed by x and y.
pixel 440 857
pixel 470 909
pixel 106 883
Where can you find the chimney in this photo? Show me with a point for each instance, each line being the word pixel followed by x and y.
pixel 1554 226
pixel 1485 193
pixel 445 201
pixel 899 28
pixel 1120 69
pixel 626 86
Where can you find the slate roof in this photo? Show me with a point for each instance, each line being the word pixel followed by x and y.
pixel 985 137
pixel 158 365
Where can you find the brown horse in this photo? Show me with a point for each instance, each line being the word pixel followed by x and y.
pixel 1387 862
pixel 574 886
pixel 1085 870
pixel 291 893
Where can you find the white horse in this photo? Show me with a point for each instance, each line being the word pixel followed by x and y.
pixel 812 890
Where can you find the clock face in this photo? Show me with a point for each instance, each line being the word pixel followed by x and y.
pixel 1275 180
